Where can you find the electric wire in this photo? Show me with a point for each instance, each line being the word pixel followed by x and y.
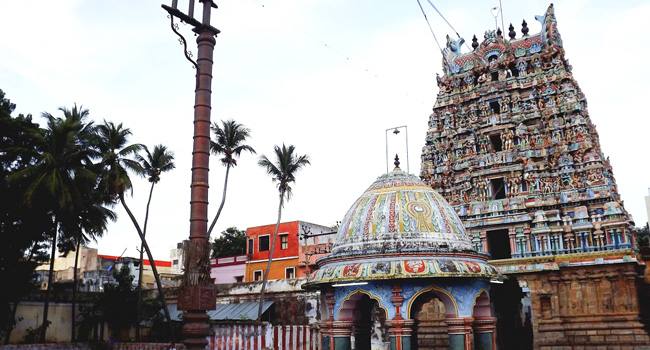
pixel 429 24
pixel 362 67
pixel 449 24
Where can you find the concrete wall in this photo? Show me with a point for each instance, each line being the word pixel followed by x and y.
pixel 292 304
pixel 30 316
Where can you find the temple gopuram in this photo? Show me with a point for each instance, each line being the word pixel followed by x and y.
pixel 512 148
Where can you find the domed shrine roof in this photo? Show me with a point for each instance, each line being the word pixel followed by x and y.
pixel 401 228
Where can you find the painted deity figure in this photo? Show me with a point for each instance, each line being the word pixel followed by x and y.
pixel 504 104
pixel 514 184
pixel 483 143
pixel 536 65
pixel 515 99
pixel 455 85
pixel 473 118
pixel 443 83
pixel 469 81
pixel 570 135
pixel 558 65
pixel 503 75
pixel 557 135
pixel 465 192
pixel 508 140
pixel 494 119
pixel 522 134
pixel 521 66
pixel 567 181
pixel 484 108
pixel 530 181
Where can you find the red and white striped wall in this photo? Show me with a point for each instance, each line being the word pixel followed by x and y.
pixel 259 337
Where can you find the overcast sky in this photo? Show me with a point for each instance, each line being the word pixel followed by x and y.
pixel 328 76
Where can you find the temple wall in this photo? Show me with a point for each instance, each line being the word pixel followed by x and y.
pixel 590 307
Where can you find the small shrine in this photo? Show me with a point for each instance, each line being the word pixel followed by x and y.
pixel 401 254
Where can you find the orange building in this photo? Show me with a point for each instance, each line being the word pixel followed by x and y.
pixel 292 249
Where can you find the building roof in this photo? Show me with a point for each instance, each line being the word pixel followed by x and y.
pixel 160 263
pixel 246 310
pixel 400 228
pixel 399 212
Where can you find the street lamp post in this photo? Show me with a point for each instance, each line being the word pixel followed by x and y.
pixel 197 294
pixel 396 131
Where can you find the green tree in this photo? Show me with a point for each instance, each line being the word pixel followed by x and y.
pixel 153 164
pixel 115 181
pixel 230 138
pixel 25 229
pixel 231 242
pixel 283 171
pixel 59 178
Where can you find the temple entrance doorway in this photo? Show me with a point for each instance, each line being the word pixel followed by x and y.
pixel 429 330
pixel 513 312
pixel 369 330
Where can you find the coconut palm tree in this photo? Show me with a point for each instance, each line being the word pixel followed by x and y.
pixel 283 172
pixel 153 164
pixel 230 138
pixel 58 177
pixel 115 181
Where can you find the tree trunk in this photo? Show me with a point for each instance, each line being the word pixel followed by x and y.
pixel 14 308
pixel 144 234
pixel 268 266
pixel 223 201
pixel 74 292
pixel 50 278
pixel 153 265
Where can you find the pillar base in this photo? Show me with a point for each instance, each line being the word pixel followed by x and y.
pixel 460 333
pixel 484 333
pixel 399 332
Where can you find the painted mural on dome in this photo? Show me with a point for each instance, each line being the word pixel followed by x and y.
pixel 410 268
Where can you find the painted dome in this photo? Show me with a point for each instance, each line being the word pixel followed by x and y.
pixel 399 213
pixel 401 228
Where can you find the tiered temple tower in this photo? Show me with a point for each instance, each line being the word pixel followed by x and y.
pixel 512 148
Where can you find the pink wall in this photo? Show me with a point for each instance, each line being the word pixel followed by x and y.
pixel 225 270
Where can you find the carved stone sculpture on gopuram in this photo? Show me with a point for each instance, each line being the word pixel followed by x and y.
pixel 512 148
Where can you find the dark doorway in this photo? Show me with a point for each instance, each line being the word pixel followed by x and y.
pixel 499 244
pixel 495 140
pixel 498 188
pixel 429 330
pixel 370 322
pixel 513 313
pixel 494 105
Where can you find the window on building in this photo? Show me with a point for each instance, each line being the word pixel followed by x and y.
pixel 498 188
pixel 263 243
pixel 257 275
pixel 250 246
pixel 239 279
pixel 175 262
pixel 498 244
pixel 290 272
pixel 494 105
pixel 495 140
pixel 284 241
